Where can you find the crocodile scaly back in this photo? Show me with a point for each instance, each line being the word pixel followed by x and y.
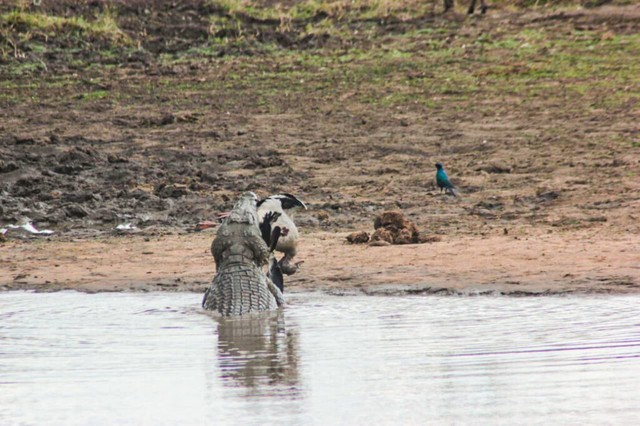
pixel 240 285
pixel 238 290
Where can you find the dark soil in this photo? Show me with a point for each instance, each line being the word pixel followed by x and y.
pixel 99 134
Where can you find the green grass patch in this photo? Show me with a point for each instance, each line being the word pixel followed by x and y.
pixel 334 9
pixel 95 95
pixel 27 36
pixel 104 27
pixel 432 64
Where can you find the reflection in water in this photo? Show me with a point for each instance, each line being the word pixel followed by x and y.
pixel 158 359
pixel 258 351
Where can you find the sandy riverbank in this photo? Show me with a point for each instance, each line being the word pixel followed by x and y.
pixel 578 262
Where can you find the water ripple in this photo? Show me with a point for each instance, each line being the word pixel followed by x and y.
pixel 69 358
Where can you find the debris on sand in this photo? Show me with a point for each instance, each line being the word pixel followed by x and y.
pixel 205 224
pixel 495 166
pixel 379 243
pixel 360 237
pixel 126 228
pixel 391 227
pixel 24 229
pixel 429 238
pixel 382 234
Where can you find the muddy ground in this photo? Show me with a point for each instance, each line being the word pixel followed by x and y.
pixel 165 130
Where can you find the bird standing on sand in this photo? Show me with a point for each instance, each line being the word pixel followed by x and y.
pixel 443 181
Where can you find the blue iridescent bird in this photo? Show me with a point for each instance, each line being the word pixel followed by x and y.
pixel 443 181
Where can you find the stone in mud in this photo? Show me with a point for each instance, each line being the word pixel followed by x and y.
pixel 140 194
pixel 545 196
pixel 496 166
pixel 55 215
pixel 166 119
pixel 79 197
pixel 171 190
pixel 306 220
pixel 482 212
pixel 37 212
pixel 25 140
pixel 322 216
pixel 358 237
pixel 75 211
pixel 68 169
pixel 76 160
pixel 264 162
pixel 28 187
pixel 161 217
pixel 208 176
pixel 490 204
pixel 116 159
pixel 422 239
pixel 379 243
pixel 7 167
pixel 104 215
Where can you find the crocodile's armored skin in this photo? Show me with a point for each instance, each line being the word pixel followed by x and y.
pixel 240 285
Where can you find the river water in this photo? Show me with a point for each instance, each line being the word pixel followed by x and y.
pixel 155 359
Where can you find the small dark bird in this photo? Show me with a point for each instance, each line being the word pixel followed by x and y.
pixel 443 181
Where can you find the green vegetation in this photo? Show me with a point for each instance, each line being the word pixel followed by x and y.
pixel 95 95
pixel 272 57
pixel 104 26
pixel 22 32
pixel 340 10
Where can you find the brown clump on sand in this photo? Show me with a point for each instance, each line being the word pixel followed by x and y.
pixel 391 227
pixel 382 235
pixel 360 237
pixel 395 228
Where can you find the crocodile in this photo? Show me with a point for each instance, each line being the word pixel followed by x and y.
pixel 240 285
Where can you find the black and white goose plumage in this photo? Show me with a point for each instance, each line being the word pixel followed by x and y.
pixel 285 205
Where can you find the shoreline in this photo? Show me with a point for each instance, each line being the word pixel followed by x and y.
pixel 533 265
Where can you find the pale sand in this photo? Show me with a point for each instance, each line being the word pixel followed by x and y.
pixel 579 261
